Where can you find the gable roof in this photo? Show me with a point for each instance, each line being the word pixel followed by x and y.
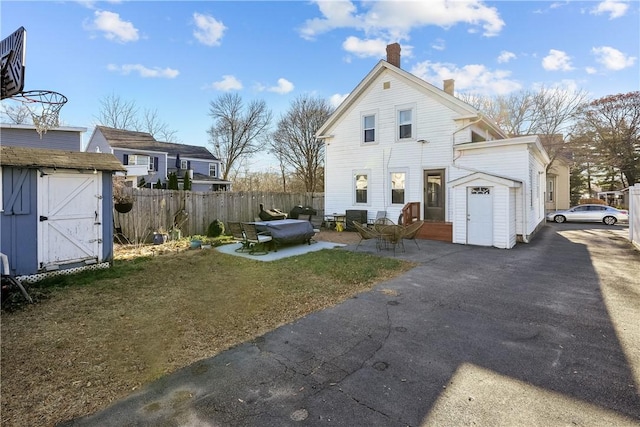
pixel 484 176
pixel 46 158
pixel 464 110
pixel 132 140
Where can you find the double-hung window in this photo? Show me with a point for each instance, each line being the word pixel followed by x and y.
pixel 398 187
pixel 361 188
pixel 212 170
pixel 405 120
pixel 368 128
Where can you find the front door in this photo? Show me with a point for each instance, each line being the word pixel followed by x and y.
pixel 434 195
pixel 480 216
pixel 70 214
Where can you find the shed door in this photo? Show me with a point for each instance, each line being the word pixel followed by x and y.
pixel 70 229
pixel 480 216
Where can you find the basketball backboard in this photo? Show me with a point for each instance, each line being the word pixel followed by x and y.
pixel 13 52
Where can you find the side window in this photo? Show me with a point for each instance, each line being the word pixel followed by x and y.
pixel 397 187
pixel 212 169
pixel 184 164
pixel 361 187
pixel 369 128
pixel 405 123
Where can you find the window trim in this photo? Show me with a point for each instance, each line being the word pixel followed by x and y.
pixel 356 173
pixel 400 109
pixel 215 170
pixel 364 115
pixel 404 171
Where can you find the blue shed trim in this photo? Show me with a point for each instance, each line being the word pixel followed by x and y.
pixel 107 217
pixel 19 222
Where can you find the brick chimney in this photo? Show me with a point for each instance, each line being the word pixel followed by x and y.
pixel 449 86
pixel 393 54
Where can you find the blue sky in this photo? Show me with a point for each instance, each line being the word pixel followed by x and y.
pixel 177 56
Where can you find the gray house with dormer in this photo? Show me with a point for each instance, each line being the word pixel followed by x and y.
pixel 152 161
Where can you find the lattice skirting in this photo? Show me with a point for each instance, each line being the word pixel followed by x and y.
pixel 32 278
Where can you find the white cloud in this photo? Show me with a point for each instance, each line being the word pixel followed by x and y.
pixel 591 70
pixel 612 58
pixel 557 60
pixel 614 8
pixel 371 48
pixel 156 72
pixel 284 86
pixel 227 83
pixel 506 56
pixel 394 20
pixel 438 44
pixel 208 30
pixel 472 78
pixel 336 99
pixel 113 27
pixel 365 48
pixel 91 4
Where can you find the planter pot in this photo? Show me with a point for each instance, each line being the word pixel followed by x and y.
pixel 159 238
pixel 196 244
pixel 123 207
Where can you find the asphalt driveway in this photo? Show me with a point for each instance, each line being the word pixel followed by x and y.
pixel 547 333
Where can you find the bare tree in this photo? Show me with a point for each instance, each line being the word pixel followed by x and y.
pixel 294 141
pixel 152 124
pixel 121 114
pixel 549 112
pixel 118 113
pixel 238 131
pixel 16 114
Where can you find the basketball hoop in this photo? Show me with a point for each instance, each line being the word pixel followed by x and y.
pixel 44 106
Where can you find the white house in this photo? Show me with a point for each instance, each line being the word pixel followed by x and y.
pixel 397 141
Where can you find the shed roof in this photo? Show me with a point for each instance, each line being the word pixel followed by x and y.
pixel 120 138
pixel 40 157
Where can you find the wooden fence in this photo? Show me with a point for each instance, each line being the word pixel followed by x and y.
pixel 159 211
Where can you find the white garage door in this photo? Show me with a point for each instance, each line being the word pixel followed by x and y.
pixel 70 229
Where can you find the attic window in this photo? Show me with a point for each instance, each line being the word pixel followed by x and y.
pixel 386 85
pixel 475 137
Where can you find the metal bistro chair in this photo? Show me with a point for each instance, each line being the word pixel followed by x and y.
pixel 257 241
pixel 238 235
pixel 366 233
pixel 411 231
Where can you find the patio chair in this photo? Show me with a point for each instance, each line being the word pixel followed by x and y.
pixel 366 233
pixel 391 235
pixel 238 235
pixel 411 231
pixel 381 222
pixel 257 241
pixel 379 215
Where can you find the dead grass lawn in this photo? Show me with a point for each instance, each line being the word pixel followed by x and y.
pixel 82 348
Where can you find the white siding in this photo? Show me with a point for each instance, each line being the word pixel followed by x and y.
pixel 98 141
pixel 345 153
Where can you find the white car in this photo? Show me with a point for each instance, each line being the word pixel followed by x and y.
pixel 589 213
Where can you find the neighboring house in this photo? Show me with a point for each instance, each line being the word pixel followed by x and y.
pixel 558 194
pixel 60 138
pixel 56 212
pixel 398 140
pixel 151 160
